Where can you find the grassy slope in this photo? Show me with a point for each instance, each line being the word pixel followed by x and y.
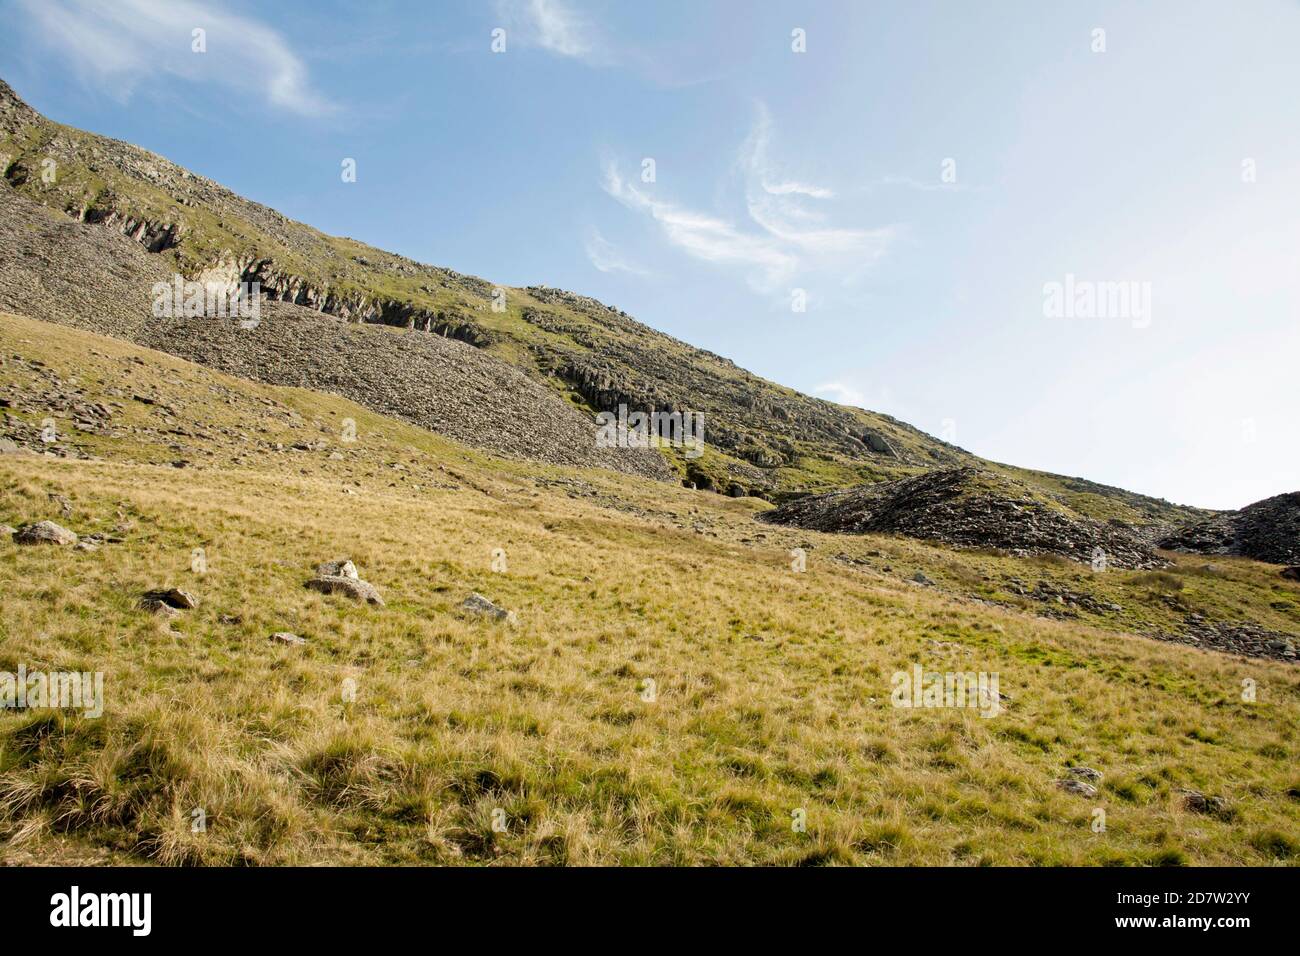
pixel 95 173
pixel 773 687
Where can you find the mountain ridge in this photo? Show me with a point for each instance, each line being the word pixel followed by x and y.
pixel 764 439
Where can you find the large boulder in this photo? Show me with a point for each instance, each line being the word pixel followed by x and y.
pixel 44 532
pixel 353 588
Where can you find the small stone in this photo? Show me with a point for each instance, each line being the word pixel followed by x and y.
pixel 1198 802
pixel 157 606
pixel 920 578
pixel 1085 773
pixel 1291 573
pixel 1077 787
pixel 44 532
pixel 172 597
pixel 284 637
pixel 478 604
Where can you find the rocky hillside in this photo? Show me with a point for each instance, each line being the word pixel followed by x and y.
pixel 1268 530
pixel 763 439
pixel 60 270
pixel 972 508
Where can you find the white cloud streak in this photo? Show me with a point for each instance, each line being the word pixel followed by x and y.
pixel 783 237
pixel 553 26
pixel 118 46
pixel 702 236
pixel 799 189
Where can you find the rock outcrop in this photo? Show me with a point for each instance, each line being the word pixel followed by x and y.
pixel 971 508
pixel 1268 530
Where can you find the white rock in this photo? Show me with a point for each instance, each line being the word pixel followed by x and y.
pixel 343 568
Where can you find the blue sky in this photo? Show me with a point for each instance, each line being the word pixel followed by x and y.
pixel 920 172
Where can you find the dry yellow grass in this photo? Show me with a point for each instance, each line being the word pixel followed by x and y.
pixel 771 688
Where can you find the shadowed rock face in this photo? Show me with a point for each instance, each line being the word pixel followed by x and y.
pixel 1268 530
pixel 968 507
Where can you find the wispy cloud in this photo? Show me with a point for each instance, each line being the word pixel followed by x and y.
pixel 702 236
pixel 783 236
pixel 119 45
pixel 798 189
pixel 603 255
pixel 554 26
pixel 778 207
